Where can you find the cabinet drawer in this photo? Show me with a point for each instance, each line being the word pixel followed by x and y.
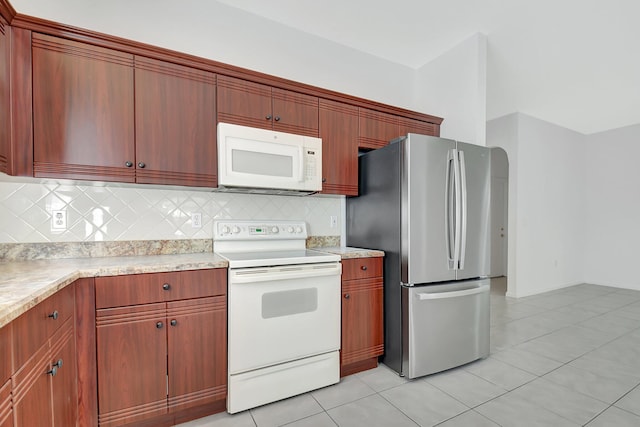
pixel 361 268
pixel 119 291
pixel 33 328
pixel 134 289
pixel 200 283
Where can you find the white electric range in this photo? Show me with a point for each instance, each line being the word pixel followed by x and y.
pixel 283 312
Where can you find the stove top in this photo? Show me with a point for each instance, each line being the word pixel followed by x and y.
pixel 265 243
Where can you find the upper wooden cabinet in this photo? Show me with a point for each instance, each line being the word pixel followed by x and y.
pixel 175 111
pixel 378 129
pixel 5 102
pixel 252 104
pixel 339 133
pixel 82 111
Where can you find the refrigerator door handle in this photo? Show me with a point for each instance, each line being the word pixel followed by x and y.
pixel 463 207
pixel 449 206
pixel 458 213
pixel 441 295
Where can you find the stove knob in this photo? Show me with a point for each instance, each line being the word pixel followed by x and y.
pixel 225 230
pixel 235 229
pixel 298 229
pixel 274 230
pixel 289 229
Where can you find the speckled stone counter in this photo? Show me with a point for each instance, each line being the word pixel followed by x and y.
pixel 346 252
pixel 23 284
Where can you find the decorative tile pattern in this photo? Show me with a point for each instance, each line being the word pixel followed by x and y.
pixel 96 212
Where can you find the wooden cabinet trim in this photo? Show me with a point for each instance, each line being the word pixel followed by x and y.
pixel 170 69
pixel 6 350
pixel 55 44
pixel 244 86
pixel 21 143
pixel 124 315
pixel 6 409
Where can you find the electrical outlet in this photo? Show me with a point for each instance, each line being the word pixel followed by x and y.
pixel 59 220
pixel 196 220
pixel 333 221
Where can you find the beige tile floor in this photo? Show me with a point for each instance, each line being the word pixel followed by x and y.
pixel 564 358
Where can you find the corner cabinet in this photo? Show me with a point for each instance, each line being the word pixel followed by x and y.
pixel 362 314
pixel 161 346
pixel 377 129
pixel 253 104
pixel 44 384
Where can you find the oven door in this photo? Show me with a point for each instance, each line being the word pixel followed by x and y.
pixel 280 314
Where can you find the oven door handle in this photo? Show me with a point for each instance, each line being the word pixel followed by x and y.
pixel 268 274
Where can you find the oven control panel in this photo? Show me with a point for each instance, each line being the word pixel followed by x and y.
pixel 259 230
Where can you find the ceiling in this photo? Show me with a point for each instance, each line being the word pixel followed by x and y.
pixel 575 63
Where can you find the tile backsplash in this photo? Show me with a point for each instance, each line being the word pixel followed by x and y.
pixel 115 213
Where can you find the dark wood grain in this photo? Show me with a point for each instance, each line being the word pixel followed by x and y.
pixel 32 405
pixel 198 283
pixel 338 127
pixel 7 11
pixel 175 111
pixel 5 96
pixel 82 111
pixel 244 103
pixel 150 51
pixel 417 126
pixel 6 350
pixel 377 129
pixel 294 112
pixel 132 363
pixel 197 352
pixel 21 143
pixel 85 316
pixel 119 291
pixel 64 383
pixel 6 410
pixel 362 314
pixel 32 329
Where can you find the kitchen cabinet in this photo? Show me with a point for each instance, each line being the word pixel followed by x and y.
pixel 83 118
pixel 44 384
pixel 253 104
pixel 175 124
pixel 417 126
pixel 362 314
pixel 160 344
pixel 376 129
pixel 339 132
pixel 5 99
pixel 6 368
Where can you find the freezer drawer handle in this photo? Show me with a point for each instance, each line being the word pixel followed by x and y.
pixel 454 294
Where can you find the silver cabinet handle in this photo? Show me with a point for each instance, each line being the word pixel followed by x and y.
pixel 440 295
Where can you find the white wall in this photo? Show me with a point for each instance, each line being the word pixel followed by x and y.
pixel 454 86
pixel 613 207
pixel 547 196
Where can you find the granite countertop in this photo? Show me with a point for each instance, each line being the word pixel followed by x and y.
pixel 23 284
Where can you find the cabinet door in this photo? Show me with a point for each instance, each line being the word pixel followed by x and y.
pixel 295 112
pixel 339 132
pixel 362 330
pixel 6 349
pixel 376 129
pixel 244 103
pixel 6 412
pixel 5 105
pixel 197 352
pixel 132 363
pixel 175 109
pixel 32 391
pixel 135 289
pixel 417 126
pixel 82 111
pixel 64 383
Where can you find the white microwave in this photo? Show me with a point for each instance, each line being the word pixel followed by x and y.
pixel 253 160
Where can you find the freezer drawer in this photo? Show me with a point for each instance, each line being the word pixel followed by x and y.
pixel 447 326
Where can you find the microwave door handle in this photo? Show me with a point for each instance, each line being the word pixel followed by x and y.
pixel 301 164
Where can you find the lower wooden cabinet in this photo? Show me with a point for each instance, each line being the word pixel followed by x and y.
pixel 6 411
pixel 362 315
pixel 162 358
pixel 44 386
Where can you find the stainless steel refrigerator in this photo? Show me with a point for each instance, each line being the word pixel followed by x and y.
pixel 425 202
